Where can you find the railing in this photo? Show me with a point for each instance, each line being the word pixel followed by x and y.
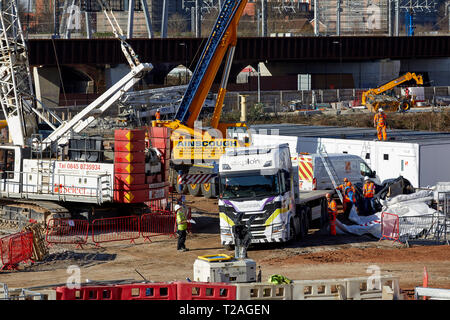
pixel 59 186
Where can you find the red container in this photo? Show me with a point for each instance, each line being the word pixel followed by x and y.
pixel 159 132
pixel 129 146
pixel 135 196
pixel 123 167
pixel 130 187
pixel 160 143
pixel 129 157
pixel 129 135
pixel 127 178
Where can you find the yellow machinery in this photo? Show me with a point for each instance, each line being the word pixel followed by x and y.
pixel 374 99
pixel 196 151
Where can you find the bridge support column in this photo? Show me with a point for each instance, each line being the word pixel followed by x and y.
pixel 47 85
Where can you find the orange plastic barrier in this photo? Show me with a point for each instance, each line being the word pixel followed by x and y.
pixel 148 291
pixel 88 293
pixel 205 291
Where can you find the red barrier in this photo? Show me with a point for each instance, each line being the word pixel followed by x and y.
pixel 148 291
pixel 67 231
pixel 161 204
pixel 205 291
pixel 115 229
pixel 389 226
pixel 88 293
pixel 16 248
pixel 154 224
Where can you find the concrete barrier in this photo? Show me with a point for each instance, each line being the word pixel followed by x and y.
pixel 368 288
pixel 263 291
pixel 329 289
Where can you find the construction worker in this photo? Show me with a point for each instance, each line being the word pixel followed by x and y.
pixel 368 192
pixel 350 198
pixel 332 213
pixel 181 227
pixel 158 115
pixel 379 121
pixel 406 93
pixel 341 188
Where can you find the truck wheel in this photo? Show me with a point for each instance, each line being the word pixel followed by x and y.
pixel 300 233
pixel 194 189
pixel 305 220
pixel 323 214
pixel 404 106
pixel 207 190
pixel 292 231
pixel 229 247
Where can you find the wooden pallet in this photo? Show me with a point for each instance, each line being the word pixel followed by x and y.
pixel 40 249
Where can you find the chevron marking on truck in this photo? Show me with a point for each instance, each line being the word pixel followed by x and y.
pixel 305 169
pixel 194 178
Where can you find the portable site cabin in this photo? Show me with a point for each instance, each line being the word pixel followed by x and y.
pixel 422 157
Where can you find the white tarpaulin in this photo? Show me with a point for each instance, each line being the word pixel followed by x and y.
pixel 415 216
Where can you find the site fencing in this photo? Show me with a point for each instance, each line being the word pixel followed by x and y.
pixel 67 231
pixel 154 224
pixel 157 223
pixel 384 287
pixel 16 248
pixel 415 229
pixel 115 229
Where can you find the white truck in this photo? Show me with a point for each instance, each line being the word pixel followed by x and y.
pixel 312 174
pixel 265 181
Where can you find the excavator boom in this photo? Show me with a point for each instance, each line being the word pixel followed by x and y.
pixel 391 84
pixel 222 37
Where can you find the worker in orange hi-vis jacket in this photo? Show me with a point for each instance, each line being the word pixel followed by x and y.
pixel 349 198
pixel 332 213
pixel 368 192
pixel 341 188
pixel 379 121
pixel 158 115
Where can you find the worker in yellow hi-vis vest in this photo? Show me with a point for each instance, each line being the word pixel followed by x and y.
pixel 181 227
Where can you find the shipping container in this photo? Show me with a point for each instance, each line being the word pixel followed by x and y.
pixel 422 157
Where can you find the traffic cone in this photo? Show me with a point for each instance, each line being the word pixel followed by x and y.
pixel 425 280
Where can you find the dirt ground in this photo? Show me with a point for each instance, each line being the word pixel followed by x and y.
pixel 318 256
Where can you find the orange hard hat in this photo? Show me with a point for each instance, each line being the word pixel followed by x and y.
pixel 349 184
pixel 345 180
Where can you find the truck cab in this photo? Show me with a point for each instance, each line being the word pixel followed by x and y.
pixel 257 181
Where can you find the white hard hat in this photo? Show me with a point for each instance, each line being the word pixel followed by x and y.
pixel 381 110
pixel 176 207
pixel 366 178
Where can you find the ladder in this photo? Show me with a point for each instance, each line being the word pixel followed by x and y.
pixel 366 150
pixel 330 170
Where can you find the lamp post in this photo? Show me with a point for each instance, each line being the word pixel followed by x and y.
pixel 340 65
pixel 185 61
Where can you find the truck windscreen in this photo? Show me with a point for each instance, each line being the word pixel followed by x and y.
pixel 249 186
